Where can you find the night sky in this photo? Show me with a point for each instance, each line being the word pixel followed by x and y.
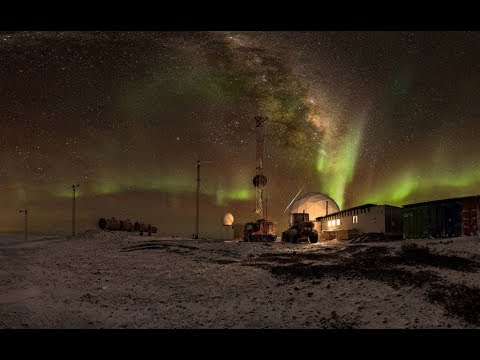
pixel 365 117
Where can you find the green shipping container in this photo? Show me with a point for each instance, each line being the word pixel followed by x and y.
pixel 416 222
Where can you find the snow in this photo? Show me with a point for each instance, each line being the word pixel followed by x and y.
pixel 104 279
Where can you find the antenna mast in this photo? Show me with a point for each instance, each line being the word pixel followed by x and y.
pixel 74 188
pixel 260 180
pixel 197 218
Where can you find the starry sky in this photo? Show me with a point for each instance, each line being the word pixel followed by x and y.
pixel 365 117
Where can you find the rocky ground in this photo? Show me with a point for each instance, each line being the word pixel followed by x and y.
pixel 122 280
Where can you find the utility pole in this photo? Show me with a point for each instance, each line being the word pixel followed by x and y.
pixel 198 199
pixel 266 208
pixel 74 187
pixel 198 195
pixel 26 223
pixel 260 180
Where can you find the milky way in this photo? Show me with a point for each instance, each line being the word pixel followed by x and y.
pixel 364 117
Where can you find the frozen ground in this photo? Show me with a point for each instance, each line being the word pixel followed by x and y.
pixel 122 280
pixel 6 239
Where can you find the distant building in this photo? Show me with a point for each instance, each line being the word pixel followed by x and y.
pixel 442 218
pixel 238 230
pixel 368 218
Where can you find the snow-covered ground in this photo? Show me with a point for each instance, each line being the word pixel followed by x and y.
pixel 122 280
pixel 6 239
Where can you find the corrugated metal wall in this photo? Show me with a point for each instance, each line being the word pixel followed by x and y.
pixel 415 222
pixel 238 230
pixel 469 216
pixel 439 219
pixel 393 220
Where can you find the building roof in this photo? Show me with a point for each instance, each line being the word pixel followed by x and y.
pixel 365 206
pixel 440 201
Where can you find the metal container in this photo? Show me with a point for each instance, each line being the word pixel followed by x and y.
pixel 112 224
pixel 102 223
pixel 445 219
pixel 437 219
pixel 469 216
pixel 238 229
pixel 393 221
pixel 126 225
pixel 416 222
pixel 140 226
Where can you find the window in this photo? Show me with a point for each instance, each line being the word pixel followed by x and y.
pixel 355 219
pixel 338 222
pixel 329 223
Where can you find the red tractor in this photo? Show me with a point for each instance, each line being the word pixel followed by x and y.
pixel 261 230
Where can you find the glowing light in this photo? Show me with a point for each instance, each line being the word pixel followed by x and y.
pixel 338 171
pixel 235 194
pixel 321 160
pixel 64 192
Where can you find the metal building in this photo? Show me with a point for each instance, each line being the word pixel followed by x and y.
pixel 368 218
pixel 442 218
pixel 238 230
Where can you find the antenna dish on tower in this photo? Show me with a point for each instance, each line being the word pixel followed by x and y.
pixel 260 180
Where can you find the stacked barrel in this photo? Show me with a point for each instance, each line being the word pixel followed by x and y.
pixel 114 224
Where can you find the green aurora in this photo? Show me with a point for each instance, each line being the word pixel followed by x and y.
pixel 167 184
pixel 375 127
pixel 417 186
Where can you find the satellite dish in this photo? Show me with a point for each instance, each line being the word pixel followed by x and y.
pixel 227 219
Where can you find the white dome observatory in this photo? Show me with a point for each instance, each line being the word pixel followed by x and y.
pixel 227 219
pixel 314 204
